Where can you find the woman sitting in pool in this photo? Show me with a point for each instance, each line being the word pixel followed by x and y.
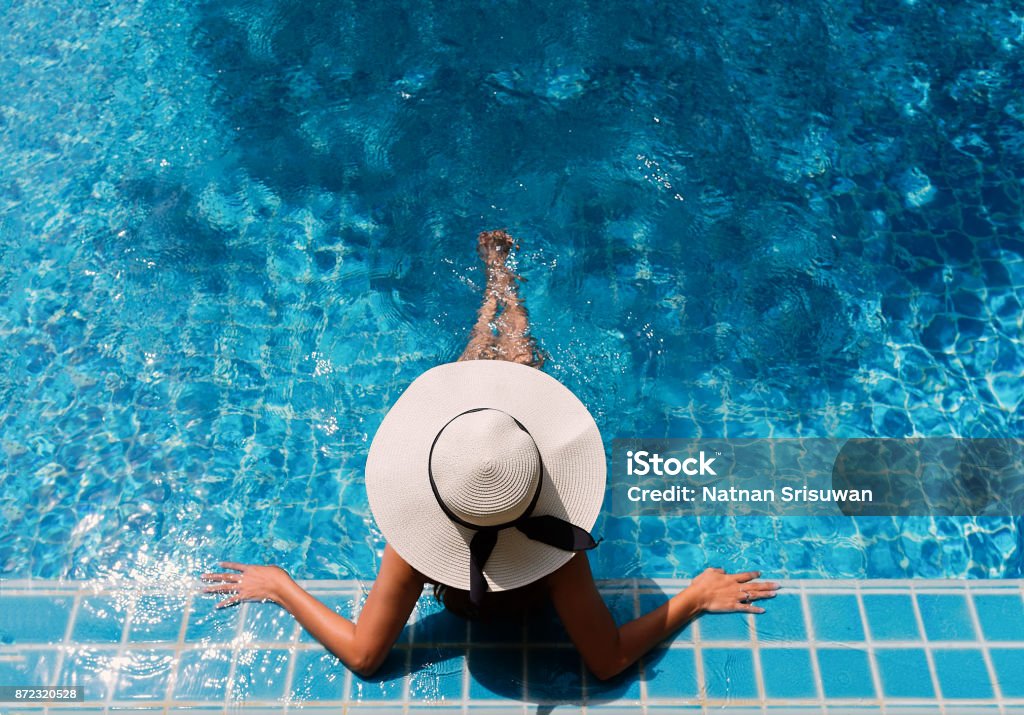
pixel 485 477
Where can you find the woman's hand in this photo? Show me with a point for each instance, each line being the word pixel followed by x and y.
pixel 720 592
pixel 254 583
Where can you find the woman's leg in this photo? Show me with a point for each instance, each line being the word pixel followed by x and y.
pixel 502 327
pixel 483 340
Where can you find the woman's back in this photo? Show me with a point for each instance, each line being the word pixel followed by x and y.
pixel 496 605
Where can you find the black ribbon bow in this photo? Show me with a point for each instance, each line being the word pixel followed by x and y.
pixel 547 529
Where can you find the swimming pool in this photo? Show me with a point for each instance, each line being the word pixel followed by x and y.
pixel 231 233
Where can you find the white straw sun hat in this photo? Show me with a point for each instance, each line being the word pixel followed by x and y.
pixel 486 474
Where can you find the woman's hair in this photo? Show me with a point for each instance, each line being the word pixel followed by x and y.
pixel 456 601
pixel 496 604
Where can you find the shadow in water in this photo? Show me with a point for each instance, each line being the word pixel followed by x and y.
pixel 528 659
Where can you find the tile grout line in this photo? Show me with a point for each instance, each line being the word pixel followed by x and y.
pixel 869 644
pixel 179 647
pixel 698 665
pixel 755 651
pixel 233 667
pixel 352 615
pixel 121 657
pixel 775 530
pixel 66 644
pixel 466 680
pixel 929 658
pixel 48 587
pixel 464 684
pixel 806 704
pixel 724 643
pixel 986 656
pixel 406 676
pixel 526 665
pixel 346 685
pixel 584 690
pixel 289 677
pixel 812 648
pixel 642 660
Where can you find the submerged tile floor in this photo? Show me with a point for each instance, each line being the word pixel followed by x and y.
pixel 824 647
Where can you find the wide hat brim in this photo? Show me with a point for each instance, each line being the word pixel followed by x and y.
pixel 399 490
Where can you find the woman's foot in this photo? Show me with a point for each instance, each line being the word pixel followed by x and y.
pixel 494 247
pixel 502 327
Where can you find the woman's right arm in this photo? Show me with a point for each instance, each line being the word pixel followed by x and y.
pixel 608 649
pixel 362 645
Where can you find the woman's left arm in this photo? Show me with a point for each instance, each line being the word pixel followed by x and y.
pixel 608 649
pixel 361 645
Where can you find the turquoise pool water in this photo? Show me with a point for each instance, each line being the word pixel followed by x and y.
pixel 231 233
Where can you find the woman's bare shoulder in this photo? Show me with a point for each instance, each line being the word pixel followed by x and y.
pixel 396 569
pixel 573 574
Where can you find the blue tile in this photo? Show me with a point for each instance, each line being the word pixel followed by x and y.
pixel 30 667
pixel 495 673
pixel 436 674
pixel 33 619
pixel 95 669
pixel 787 673
pixel 622 605
pixel 318 676
pixel 962 674
pixel 100 620
pixel 651 601
pixel 268 623
pixel 625 686
pixel 554 674
pixel 215 625
pixel 724 627
pixel 891 617
pixel 1001 617
pixel 845 673
pixel 836 618
pixel 259 674
pixel 203 674
pixel 783 619
pixel 343 605
pixel 156 619
pixel 1009 666
pixel 671 673
pixel 386 684
pixel 144 675
pixel 904 673
pixel 435 624
pixel 945 617
pixel 729 673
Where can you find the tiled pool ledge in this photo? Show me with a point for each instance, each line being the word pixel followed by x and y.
pixel 823 646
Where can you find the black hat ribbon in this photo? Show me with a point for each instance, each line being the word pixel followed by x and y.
pixel 546 528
